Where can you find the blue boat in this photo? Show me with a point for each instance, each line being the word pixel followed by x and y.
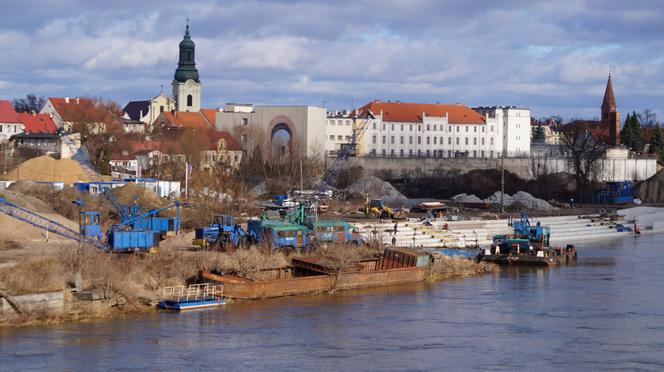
pixel 196 296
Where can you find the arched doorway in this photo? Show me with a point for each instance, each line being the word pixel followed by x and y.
pixel 281 140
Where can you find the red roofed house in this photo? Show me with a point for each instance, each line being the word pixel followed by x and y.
pixel 400 129
pixel 185 120
pixel 223 150
pixel 66 112
pixel 10 121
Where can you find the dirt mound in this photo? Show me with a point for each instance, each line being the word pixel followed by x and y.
pixel 47 169
pixel 376 188
pixel 22 232
pixel 147 199
pixel 652 189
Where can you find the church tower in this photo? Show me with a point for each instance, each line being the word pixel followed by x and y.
pixel 186 84
pixel 610 114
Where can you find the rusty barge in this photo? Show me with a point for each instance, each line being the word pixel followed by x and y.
pixel 309 275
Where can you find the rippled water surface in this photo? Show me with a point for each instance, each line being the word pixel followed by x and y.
pixel 605 313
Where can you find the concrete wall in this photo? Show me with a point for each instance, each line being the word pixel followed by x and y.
pixel 610 169
pixel 52 301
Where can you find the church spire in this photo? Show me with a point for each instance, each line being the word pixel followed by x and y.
pixel 609 102
pixel 187 64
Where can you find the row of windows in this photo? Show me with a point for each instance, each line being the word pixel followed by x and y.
pixel 428 140
pixel 9 128
pixel 434 153
pixel 339 138
pixel 339 121
pixel 428 127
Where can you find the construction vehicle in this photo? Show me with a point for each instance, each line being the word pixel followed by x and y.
pixel 377 208
pixel 222 234
pixel 277 234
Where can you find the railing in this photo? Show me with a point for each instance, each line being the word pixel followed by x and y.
pixel 42 222
pixel 193 292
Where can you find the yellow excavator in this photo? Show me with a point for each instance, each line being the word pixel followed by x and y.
pixel 376 208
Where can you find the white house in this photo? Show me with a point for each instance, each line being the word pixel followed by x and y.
pixel 401 129
pixel 514 125
pixel 338 131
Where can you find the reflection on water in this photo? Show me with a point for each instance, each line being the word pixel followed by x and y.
pixel 606 312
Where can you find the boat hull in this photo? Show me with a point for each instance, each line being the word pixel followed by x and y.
pixel 191 305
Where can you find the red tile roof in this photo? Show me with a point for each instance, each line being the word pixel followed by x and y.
pixel 76 110
pixel 412 112
pixel 38 123
pixel 231 143
pixel 7 113
pixel 210 116
pixel 190 120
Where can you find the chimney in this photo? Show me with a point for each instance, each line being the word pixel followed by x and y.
pixel 66 99
pixel 50 115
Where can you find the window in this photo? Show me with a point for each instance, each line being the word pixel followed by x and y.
pixel 402 127
pixel 331 122
pixel 392 140
pixel 401 153
pixel 0 128
pixel 383 126
pixel 383 140
pixel 483 129
pixel 475 141
pixel 190 100
pixel 457 140
pixel 458 129
pixel 410 140
pixel 434 127
pixel 373 139
pixel 428 153
pixel 347 138
pixel 419 140
pixel 243 138
pixel 428 141
pixel 411 127
pixel 441 140
pixel 339 138
pixel 428 127
pixel 245 121
pixel 449 128
pixel 383 152
pixel 491 141
pixel 449 140
pixel 482 141
pixel 482 153
pixel 466 141
pixel 374 125
pixel 401 140
pixel 410 152
pixel 434 140
pixel 466 129
pixel 161 109
pixel 492 128
pixel 474 153
pixel 449 153
pixel 392 127
pixel 332 138
pixel 392 152
pixel 475 129
pixel 347 122
pixel 419 153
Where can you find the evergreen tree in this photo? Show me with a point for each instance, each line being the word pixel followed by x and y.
pixel 625 134
pixel 539 136
pixel 656 144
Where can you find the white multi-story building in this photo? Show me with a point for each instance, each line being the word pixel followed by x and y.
pixel 338 131
pixel 401 129
pixel 515 127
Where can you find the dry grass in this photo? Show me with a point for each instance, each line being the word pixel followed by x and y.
pixel 37 274
pixel 450 267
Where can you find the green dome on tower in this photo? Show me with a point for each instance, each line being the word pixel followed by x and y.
pixel 187 65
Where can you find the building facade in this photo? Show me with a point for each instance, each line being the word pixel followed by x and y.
pixel 186 82
pixel 400 129
pixel 338 131
pixel 514 125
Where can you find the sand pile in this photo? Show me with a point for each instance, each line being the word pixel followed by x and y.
pixel 22 232
pixel 376 188
pixel 652 189
pixel 147 199
pixel 47 169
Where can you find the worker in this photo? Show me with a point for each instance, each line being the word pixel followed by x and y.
pixel 395 228
pixel 446 226
pixel 394 241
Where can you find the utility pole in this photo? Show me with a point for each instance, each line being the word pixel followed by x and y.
pixel 301 177
pixel 502 182
pixel 186 180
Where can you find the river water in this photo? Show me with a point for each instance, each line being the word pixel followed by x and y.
pixel 605 313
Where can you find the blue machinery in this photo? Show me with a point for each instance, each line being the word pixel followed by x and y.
pixel 120 238
pixel 223 233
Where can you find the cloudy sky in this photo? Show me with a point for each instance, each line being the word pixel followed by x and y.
pixel 550 56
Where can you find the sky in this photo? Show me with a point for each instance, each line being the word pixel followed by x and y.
pixel 550 56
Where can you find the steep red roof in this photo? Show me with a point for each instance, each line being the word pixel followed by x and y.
pixel 190 120
pixel 210 116
pixel 231 143
pixel 38 123
pixel 7 113
pixel 412 112
pixel 75 109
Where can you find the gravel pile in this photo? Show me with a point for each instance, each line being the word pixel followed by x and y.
pixel 495 199
pixel 465 198
pixel 531 202
pixel 376 188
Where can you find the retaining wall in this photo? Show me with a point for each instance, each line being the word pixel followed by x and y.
pixel 51 301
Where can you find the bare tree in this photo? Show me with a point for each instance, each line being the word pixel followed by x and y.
pixel 29 104
pixel 584 150
pixel 538 165
pixel 648 118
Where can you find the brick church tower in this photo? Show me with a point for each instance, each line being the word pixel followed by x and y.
pixel 610 114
